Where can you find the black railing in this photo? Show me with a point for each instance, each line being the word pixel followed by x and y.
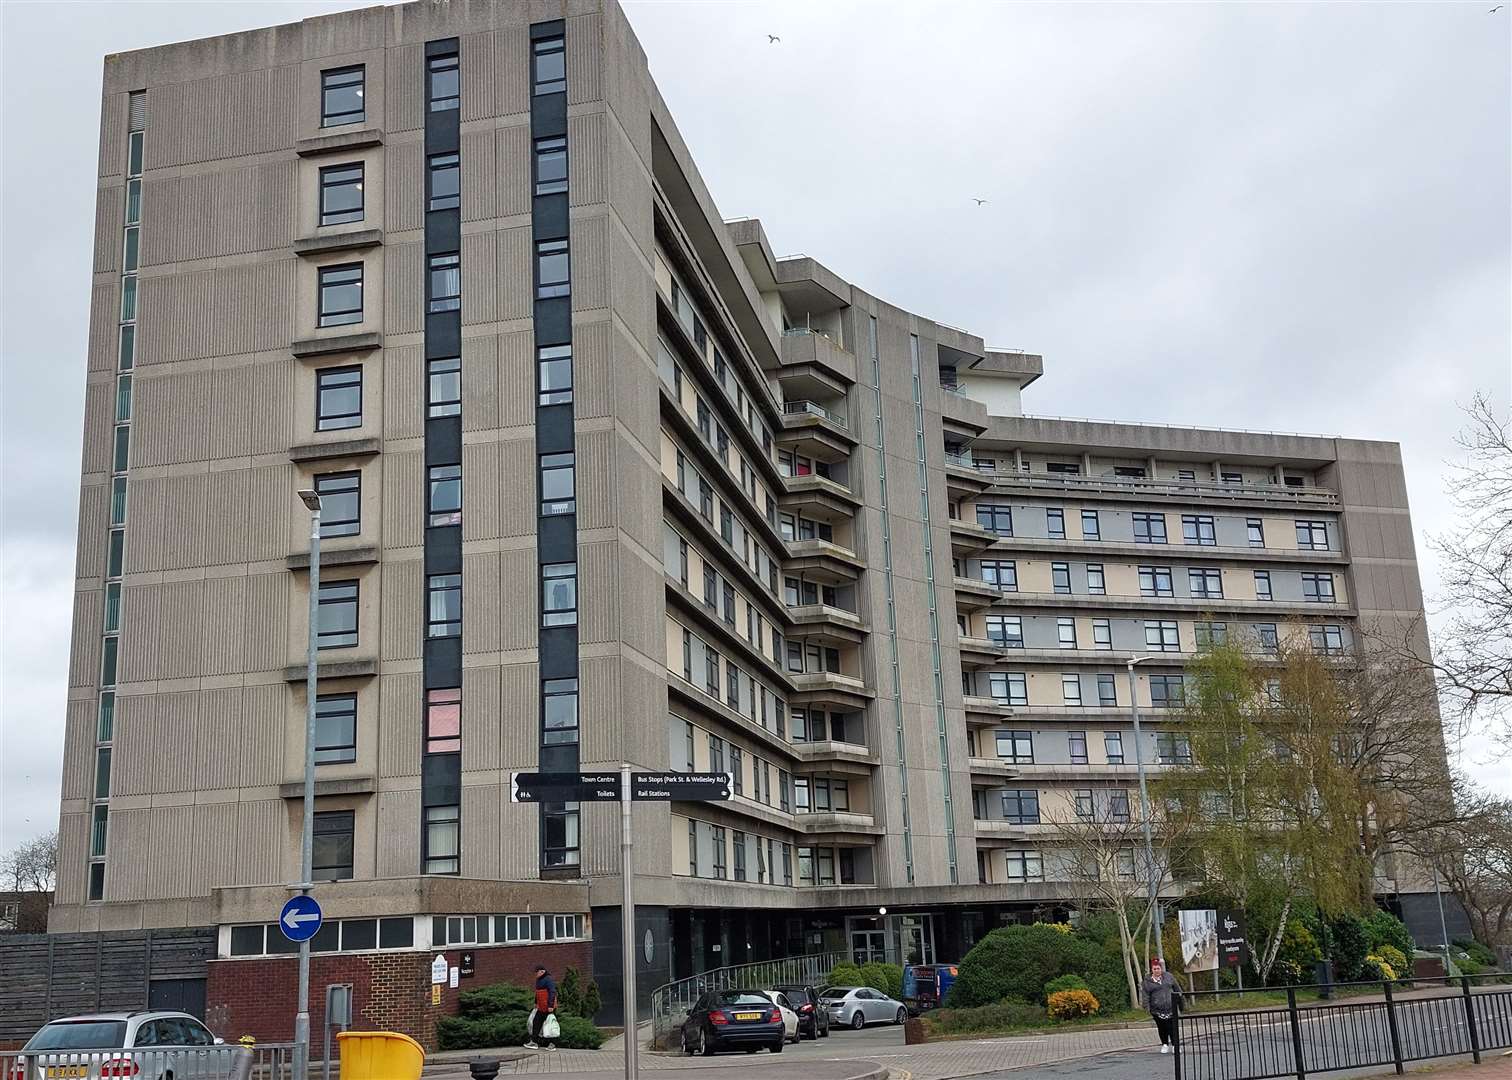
pixel 1385 1024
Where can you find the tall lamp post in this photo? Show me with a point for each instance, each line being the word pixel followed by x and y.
pixel 1144 806
pixel 306 842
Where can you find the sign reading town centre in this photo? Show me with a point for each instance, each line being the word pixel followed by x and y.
pixel 606 787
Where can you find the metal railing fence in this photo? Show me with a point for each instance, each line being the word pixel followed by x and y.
pixel 1455 1017
pixel 264 1061
pixel 670 1003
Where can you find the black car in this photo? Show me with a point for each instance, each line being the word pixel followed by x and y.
pixel 733 1020
pixel 813 1015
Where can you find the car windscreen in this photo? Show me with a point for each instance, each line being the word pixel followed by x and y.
pixel 835 993
pixel 80 1035
pixel 744 997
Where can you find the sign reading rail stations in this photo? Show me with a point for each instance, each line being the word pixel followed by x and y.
pixel 680 787
pixel 564 787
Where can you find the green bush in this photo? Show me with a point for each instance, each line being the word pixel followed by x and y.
pixel 577 999
pixel 845 975
pixel 1018 961
pixel 461 1033
pixel 1394 957
pixel 1004 1016
pixel 1065 982
pixel 1350 946
pixel 1476 951
pixel 1296 956
pixel 887 978
pixel 1384 928
pixel 494 1000
pixel 1375 967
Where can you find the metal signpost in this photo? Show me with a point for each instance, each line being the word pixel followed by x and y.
pixel 624 787
pixel 311 499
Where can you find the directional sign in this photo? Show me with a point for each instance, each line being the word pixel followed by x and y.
pixel 300 918
pixel 680 787
pixel 565 787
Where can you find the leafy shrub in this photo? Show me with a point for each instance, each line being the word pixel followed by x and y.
pixel 1393 957
pixel 1374 967
pixel 461 1033
pixel 1018 961
pixel 1384 928
pixel 1476 951
pixel 496 999
pixel 1071 1004
pixel 1349 947
pixel 1065 982
pixel 887 978
pixel 1003 1016
pixel 576 999
pixel 846 975
pixel 1058 927
pixel 1296 956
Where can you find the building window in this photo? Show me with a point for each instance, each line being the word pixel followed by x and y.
pixel 550 166
pixel 445 82
pixel 1002 574
pixel 338 398
pixel 705 498
pixel 1091 527
pixel 331 851
pixel 1085 807
pixel 1065 633
pixel 1255 528
pixel 340 503
pixel 692 847
pixel 1113 747
pixel 727 593
pixel 102 773
pixel 341 294
pixel 1107 692
pixel 1008 686
pixel 1060 577
pixel 1263 585
pixel 1172 748
pixel 1016 746
pixel 1162 636
pixel 443 612
pixel 443 389
pixel 559 594
pixel 1267 638
pixel 711 671
pixel 549 69
pixel 337 626
pixel 445 280
pixel 1006 631
pixel 1096 584
pixel 443 834
pixel 341 194
pixel 552 270
pixel 1021 806
pixel 1166 691
pixel 1025 864
pixel 1318 588
pixel 1155 581
pixel 732 686
pixel 559 711
pixel 554 371
pixel 995 518
pixel 335 729
pixel 444 502
pixel 443 721
pixel 445 182
pixel 1198 529
pixel 1055 523
pixel 341 94
pixel 1076 746
pixel 739 842
pixel 737 769
pixel 1312 535
pixel 1328 640
pixel 1124 863
pixel 558 484
pixel 1102 634
pixel 1206 584
pixel 1071 692
pixel 561 826
pixel 1210 634
pixel 1149 529
pixel 720 870
pixel 710 588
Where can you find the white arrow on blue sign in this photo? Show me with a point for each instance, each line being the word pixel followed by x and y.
pixel 300 918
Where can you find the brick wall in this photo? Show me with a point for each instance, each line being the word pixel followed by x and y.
pixel 391 991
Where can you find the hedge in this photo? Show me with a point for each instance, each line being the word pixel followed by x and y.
pixel 1018 961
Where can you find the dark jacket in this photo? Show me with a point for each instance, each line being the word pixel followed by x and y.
pixel 545 992
pixel 1161 997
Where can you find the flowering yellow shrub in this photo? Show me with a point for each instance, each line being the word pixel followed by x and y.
pixel 1071 1004
pixel 1058 927
pixel 1383 970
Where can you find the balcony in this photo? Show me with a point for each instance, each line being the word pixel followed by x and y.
pixel 814 431
pixel 1133 487
pixel 829 688
pixel 1276 609
pixel 960 413
pixel 838 758
pixel 824 561
pixel 837 824
pixel 1172 551
pixel 993 768
pixel 973 594
pixel 830 625
pixel 979 652
pixel 963 479
pixel 986 711
pixel 827 496
pixel 817 360
pixel 995 828
pixel 969 538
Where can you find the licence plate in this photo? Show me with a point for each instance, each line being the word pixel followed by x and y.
pixel 738 1016
pixel 61 1072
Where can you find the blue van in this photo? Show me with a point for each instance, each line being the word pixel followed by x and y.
pixel 925 985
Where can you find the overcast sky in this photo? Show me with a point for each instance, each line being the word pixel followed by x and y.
pixel 1284 216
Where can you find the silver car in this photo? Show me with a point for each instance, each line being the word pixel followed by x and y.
pixel 143 1045
pixel 857 1006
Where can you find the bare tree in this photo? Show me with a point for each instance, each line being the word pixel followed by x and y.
pixel 32 865
pixel 1474 652
pixel 1473 857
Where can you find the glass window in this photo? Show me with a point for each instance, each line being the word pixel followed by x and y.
pixel 554 368
pixel 1006 630
pixel 132 249
pixel 1149 529
pixel 1025 865
pixel 1016 746
pixel 558 484
pixel 1209 634
pixel 341 93
pixel 1312 535
pixel 1162 636
pixel 561 825
pixel 443 720
pixel 335 729
pixel 1060 577
pixel 1318 588
pixel 1055 523
pixel 1166 691
pixel 445 279
pixel 445 182
pixel 337 628
pixel 123 399
pixel 1263 585
pixel 1198 529
pixel 443 613
pixel 443 389
pixel 1107 691
pixel 1206 583
pixel 340 294
pixel 1172 748
pixel 1113 747
pixel 115 553
pixel 1091 527
pixel 1255 527
pixel 102 773
pixel 559 594
pixel 1076 746
pixel 445 495
pixel 122 455
pixel 112 607
pixel 553 277
pixel 550 166
pixel 549 70
pixel 1102 633
pixel 1000 573
pixel 1267 637
pixel 1327 639
pixel 331 854
pixel 1071 689
pixel 128 348
pixel 996 518
pixel 559 711
pixel 1155 581
pixel 1065 632
pixel 128 298
pixel 445 82
pixel 134 201
pixel 443 834
pixel 1021 806
pixel 341 194
pixel 1096 584
pixel 1084 804
pixel 340 503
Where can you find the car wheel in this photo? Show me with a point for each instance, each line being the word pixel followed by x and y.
pixel 752 1049
pixel 902 1016
pixel 704 1045
pixel 778 1045
pixel 813 1031
pixel 858 1021
pixel 687 1048
pixel 824 1032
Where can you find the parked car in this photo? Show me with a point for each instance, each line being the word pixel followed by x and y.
pixel 153 1045
pixel 789 1014
pixel 733 1020
pixel 813 1013
pixel 857 1006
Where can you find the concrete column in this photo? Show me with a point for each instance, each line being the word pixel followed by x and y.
pixel 1086 463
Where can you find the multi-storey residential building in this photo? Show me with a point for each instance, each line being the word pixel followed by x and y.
pixel 603 481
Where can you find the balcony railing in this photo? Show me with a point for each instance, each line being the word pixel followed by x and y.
pixel 813 408
pixel 1134 486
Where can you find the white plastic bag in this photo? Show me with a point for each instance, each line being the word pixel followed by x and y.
pixel 551 1029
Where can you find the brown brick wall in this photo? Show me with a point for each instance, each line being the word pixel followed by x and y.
pixel 390 991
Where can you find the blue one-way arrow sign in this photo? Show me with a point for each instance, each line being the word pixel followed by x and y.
pixel 300 918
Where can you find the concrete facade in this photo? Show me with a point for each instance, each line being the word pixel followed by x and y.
pixel 773 526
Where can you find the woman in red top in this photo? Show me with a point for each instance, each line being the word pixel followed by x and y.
pixel 545 1005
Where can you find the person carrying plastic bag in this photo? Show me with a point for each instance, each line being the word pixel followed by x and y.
pixel 543 1022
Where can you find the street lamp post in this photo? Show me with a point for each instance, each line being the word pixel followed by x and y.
pixel 1144 806
pixel 306 842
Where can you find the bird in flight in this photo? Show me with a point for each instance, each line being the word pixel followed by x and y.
pixel 773 39
pixel 1497 8
pixel 979 202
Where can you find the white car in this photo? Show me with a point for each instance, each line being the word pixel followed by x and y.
pixel 789 1014
pixel 147 1045
pixel 857 1006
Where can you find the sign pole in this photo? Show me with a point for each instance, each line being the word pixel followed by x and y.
pixel 627 926
pixel 302 1013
